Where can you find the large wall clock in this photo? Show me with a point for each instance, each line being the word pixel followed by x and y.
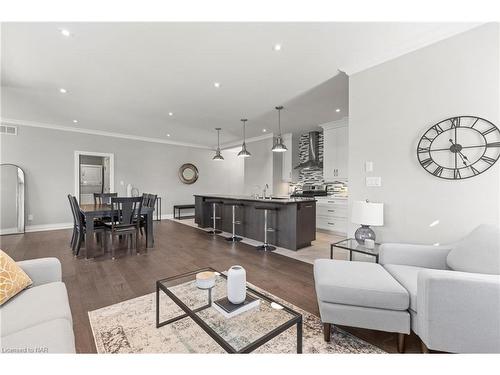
pixel 459 147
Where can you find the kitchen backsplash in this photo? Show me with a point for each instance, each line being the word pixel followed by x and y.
pixel 313 177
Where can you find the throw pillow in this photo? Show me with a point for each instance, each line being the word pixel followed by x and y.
pixel 12 278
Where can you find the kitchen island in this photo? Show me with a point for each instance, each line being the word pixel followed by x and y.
pixel 293 219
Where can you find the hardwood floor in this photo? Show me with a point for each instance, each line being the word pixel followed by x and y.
pixel 100 282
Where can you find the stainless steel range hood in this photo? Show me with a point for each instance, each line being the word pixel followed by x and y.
pixel 312 162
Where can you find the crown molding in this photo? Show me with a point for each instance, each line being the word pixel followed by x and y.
pixel 248 140
pixel 35 124
pixel 343 122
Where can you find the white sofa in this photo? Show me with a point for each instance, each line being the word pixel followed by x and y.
pixel 38 320
pixel 453 292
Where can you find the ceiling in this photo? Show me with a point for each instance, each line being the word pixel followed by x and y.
pixel 126 77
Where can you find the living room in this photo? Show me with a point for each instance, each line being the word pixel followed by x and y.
pixel 251 187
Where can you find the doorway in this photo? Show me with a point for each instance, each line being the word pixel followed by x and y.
pixel 94 173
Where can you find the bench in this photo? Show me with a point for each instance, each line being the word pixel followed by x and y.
pixel 180 207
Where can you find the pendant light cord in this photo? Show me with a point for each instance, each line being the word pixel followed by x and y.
pixel 244 125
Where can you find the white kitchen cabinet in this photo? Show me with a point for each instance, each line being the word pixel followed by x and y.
pixel 290 158
pixel 335 150
pixel 331 215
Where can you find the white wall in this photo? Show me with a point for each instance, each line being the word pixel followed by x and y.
pixel 47 159
pixel 393 104
pixel 264 167
pixel 259 167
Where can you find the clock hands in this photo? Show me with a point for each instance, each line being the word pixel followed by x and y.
pixel 462 156
pixel 456 153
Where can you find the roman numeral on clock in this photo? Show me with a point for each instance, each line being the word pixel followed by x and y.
pixel 427 138
pixel 474 170
pixel 438 171
pixel 456 174
pixel 422 150
pixel 438 129
pixel 494 144
pixel 425 163
pixel 488 160
pixel 455 122
pixel 492 129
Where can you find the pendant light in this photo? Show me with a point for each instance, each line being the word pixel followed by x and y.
pixel 279 146
pixel 244 152
pixel 218 156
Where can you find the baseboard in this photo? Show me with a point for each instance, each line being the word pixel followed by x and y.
pixel 8 231
pixel 44 227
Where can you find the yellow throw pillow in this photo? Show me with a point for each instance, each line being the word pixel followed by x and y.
pixel 12 278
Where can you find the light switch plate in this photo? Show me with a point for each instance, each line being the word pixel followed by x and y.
pixel 369 166
pixel 373 181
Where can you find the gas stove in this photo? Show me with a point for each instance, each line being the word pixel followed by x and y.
pixel 311 191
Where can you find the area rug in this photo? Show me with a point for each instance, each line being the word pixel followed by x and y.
pixel 130 327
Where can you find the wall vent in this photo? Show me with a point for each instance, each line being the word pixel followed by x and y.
pixel 8 129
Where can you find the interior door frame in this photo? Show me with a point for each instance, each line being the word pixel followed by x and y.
pixel 111 157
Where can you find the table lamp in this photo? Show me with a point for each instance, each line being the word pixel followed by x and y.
pixel 366 213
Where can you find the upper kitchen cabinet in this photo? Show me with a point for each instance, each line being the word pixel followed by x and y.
pixel 335 150
pixel 290 158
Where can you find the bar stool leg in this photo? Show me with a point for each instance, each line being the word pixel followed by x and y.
pixel 214 218
pixel 265 246
pixel 234 237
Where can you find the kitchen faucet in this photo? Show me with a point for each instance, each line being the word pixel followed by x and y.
pixel 264 192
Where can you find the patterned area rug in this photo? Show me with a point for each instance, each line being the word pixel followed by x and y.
pixel 129 327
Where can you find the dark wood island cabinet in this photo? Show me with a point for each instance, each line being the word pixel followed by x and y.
pixel 293 219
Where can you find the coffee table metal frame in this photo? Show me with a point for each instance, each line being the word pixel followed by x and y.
pixel 188 312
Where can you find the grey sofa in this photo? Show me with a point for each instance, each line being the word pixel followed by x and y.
pixel 38 320
pixel 453 292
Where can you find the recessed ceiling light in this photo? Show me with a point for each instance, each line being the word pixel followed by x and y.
pixel 168 135
pixel 65 32
pixel 216 85
pixel 63 91
pixel 264 130
pixel 75 121
pixel 277 47
pixel 337 110
pixel 170 113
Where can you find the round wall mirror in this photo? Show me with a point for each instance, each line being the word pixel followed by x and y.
pixel 188 173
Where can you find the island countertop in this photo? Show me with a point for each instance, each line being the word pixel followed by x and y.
pixel 275 200
pixel 292 220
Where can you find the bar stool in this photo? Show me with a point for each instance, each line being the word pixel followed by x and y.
pixel 234 237
pixel 266 246
pixel 215 217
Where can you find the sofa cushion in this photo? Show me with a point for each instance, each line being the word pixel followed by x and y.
pixel 34 306
pixel 479 252
pixel 359 284
pixel 407 276
pixel 12 278
pixel 54 336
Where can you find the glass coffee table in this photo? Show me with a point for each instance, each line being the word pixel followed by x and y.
pixel 242 333
pixel 353 246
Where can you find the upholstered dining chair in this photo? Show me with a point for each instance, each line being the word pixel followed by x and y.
pixel 79 227
pixel 148 200
pixel 126 212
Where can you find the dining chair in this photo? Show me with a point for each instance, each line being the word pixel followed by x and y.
pixel 148 200
pixel 79 227
pixel 104 198
pixel 126 213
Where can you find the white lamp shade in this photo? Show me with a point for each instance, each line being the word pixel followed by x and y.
pixel 367 213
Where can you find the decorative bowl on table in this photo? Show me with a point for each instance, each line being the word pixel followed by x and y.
pixel 205 280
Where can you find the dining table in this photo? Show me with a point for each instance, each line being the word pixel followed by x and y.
pixel 93 211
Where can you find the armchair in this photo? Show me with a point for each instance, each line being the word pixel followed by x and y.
pixel 454 290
